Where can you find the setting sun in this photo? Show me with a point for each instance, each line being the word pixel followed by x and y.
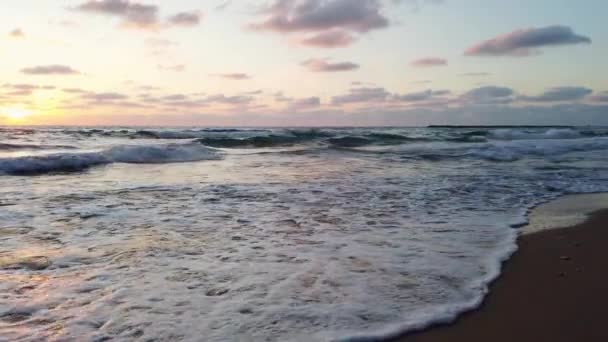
pixel 15 113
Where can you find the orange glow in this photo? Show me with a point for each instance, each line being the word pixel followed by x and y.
pixel 15 113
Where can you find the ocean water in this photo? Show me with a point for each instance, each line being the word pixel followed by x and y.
pixel 267 234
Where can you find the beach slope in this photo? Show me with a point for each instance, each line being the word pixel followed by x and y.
pixel 555 288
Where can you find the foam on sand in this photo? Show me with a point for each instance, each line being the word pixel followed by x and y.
pixel 566 211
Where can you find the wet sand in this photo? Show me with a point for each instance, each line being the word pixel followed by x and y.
pixel 555 288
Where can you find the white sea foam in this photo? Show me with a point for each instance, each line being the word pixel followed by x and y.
pixel 146 154
pixel 52 163
pixel 320 245
pixel 514 150
pixel 176 153
pixel 566 211
pixel 519 134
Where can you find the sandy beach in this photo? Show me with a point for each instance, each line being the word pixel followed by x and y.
pixel 552 289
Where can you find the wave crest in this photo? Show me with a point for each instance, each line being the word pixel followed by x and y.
pixel 75 162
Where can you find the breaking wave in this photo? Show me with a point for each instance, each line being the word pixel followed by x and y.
pixel 17 147
pixel 74 162
pixel 514 134
pixel 515 150
pixel 257 141
pixel 355 235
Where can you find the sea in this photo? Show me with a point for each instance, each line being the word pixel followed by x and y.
pixel 268 234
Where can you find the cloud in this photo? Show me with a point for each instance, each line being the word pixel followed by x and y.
pixel 253 92
pixel 186 19
pixel 280 97
pixel 132 13
pixel 322 65
pixel 361 95
pixel 16 33
pixel 599 97
pixel 559 94
pixel 305 103
pixel 234 76
pixel 74 91
pixel 231 100
pixel 149 88
pixel 159 43
pixel 103 97
pixel 175 68
pixel 50 70
pixel 418 4
pixel 332 23
pixel 576 114
pixel 420 96
pixel 24 89
pixel 22 92
pixel 475 74
pixel 20 86
pixel 175 97
pixel 223 5
pixel 329 39
pixel 489 95
pixel 313 15
pixel 524 42
pixel 429 62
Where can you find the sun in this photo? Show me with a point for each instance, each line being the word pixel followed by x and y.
pixel 15 113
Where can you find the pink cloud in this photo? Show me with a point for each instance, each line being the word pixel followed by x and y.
pixel 523 42
pixel 323 65
pixel 429 62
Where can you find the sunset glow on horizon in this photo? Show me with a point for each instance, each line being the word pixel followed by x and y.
pixel 302 62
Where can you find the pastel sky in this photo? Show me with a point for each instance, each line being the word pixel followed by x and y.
pixel 303 62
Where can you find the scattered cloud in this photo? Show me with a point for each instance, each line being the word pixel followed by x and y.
pixel 132 13
pixel 329 39
pixel 475 74
pixel 230 100
pixel 234 76
pixel 489 95
pixel 330 23
pixel 185 19
pixel 21 86
pixel 175 97
pixel 104 97
pixel 149 88
pixel 305 103
pixel 74 91
pixel 223 5
pixel 416 5
pixel 50 70
pixel 280 97
pixel 323 65
pixel 525 42
pixel 315 16
pixel 159 43
pixel 24 89
pixel 20 92
pixel 429 62
pixel 599 97
pixel 253 92
pixel 420 96
pixel 17 33
pixel 361 95
pixel 174 68
pixel 559 94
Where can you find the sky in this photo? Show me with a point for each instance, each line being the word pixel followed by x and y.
pixel 303 62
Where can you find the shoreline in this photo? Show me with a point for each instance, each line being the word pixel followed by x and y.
pixel 551 289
